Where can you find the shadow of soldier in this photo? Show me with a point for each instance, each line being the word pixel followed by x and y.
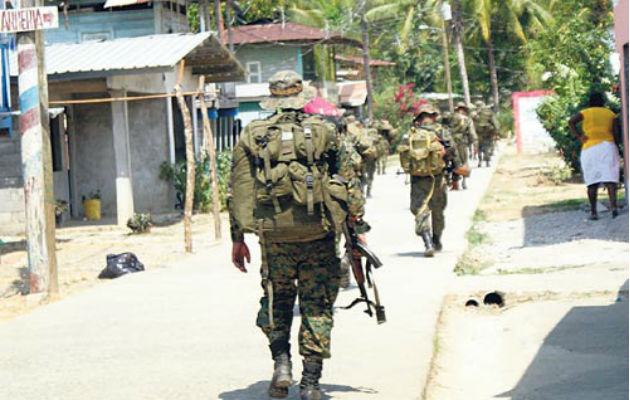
pixel 258 391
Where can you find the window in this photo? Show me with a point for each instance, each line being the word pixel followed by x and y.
pixel 254 72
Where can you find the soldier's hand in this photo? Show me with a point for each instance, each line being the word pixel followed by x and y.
pixel 240 252
pixel 362 238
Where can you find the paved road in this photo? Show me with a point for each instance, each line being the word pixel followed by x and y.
pixel 187 331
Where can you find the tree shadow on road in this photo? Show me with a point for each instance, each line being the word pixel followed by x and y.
pixel 560 227
pixel 585 357
pixel 411 254
pixel 258 391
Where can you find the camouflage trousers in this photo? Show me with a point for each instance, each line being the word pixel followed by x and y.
pixel 367 177
pixel 381 165
pixel 310 272
pixel 486 148
pixel 431 217
pixel 462 153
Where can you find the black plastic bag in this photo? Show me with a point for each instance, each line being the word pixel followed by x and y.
pixel 121 264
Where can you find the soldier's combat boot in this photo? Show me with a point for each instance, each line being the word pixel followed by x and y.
pixel 455 185
pixel 487 163
pixel 464 185
pixel 309 386
pixel 437 244
pixel 429 250
pixel 282 378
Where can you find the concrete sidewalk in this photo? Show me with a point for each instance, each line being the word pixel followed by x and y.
pixel 188 332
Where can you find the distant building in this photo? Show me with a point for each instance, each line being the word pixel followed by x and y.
pixel 266 49
pixel 115 147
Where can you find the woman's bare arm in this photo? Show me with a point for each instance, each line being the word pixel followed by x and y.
pixel 573 121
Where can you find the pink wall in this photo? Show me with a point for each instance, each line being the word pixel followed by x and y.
pixel 621 39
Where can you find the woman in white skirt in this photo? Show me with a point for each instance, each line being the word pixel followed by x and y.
pixel 600 154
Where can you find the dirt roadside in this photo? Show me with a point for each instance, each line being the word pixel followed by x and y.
pixel 81 252
pixel 561 330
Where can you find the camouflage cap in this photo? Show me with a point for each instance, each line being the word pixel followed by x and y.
pixel 427 108
pixel 461 104
pixel 288 91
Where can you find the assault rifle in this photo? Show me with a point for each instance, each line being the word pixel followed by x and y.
pixel 356 251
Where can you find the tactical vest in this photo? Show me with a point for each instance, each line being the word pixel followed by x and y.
pixel 421 154
pixel 291 192
pixel 459 126
pixel 485 122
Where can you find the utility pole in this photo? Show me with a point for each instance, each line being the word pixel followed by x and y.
pixel 39 194
pixel 366 61
pixel 446 15
pixel 218 18
pixel 228 20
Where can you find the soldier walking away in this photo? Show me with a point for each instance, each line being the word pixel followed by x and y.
pixel 385 132
pixel 366 140
pixel 463 136
pixel 487 129
pixel 285 188
pixel 422 155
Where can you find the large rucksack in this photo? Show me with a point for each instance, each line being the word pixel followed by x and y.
pixel 281 182
pixel 421 154
pixel 367 143
pixel 485 122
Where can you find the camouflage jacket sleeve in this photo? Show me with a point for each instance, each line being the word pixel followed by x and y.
pixel 472 134
pixel 348 167
pixel 240 170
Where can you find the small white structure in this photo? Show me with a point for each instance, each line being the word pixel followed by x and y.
pixel 531 136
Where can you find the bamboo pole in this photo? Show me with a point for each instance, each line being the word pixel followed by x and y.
pixel 211 151
pixel 190 161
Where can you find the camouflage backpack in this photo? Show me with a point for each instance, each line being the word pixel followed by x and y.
pixel 281 179
pixel 459 126
pixel 366 142
pixel 485 122
pixel 421 154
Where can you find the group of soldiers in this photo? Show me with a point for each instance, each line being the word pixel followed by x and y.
pixel 436 153
pixel 299 180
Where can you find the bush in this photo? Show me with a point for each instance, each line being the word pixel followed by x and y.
pixel 559 173
pixel 506 122
pixel 202 200
pixel 140 223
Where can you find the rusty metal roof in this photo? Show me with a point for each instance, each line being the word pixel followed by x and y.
pixel 359 61
pixel 287 32
pixel 202 51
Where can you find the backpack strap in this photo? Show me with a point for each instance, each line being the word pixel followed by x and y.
pixel 308 139
pixel 268 181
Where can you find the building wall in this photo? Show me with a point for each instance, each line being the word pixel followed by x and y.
pixel 148 137
pixel 95 163
pixel 11 187
pixel 116 24
pixel 271 58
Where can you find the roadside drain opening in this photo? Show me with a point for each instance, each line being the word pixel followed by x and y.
pixel 472 303
pixel 494 299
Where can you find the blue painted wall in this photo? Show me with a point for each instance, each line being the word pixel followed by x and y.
pixel 117 23
pixel 272 57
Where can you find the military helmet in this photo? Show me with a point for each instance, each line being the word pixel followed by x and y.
pixel 479 104
pixel 288 90
pixel 446 115
pixel 461 104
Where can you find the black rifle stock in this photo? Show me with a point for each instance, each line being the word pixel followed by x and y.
pixel 356 251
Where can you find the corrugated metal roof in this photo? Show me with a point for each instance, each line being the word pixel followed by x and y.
pixel 287 32
pixel 127 54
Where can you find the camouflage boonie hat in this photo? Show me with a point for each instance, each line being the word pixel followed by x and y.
pixel 427 108
pixel 288 91
pixel 461 104
pixel 479 104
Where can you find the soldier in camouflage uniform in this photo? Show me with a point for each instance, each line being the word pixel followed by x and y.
pixel 385 133
pixel 463 134
pixel 429 192
pixel 487 128
pixel 366 141
pixel 300 260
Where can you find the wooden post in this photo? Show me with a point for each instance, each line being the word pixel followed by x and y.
pixel 190 160
pixel 211 151
pixel 37 161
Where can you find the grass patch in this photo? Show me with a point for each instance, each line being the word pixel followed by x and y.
pixel 467 265
pixel 567 204
pixel 531 271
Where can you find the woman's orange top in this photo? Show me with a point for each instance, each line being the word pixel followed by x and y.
pixel 597 126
